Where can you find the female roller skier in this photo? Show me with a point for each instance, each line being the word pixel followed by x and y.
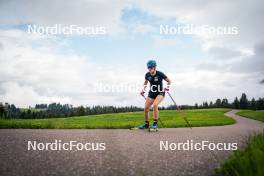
pixel 156 93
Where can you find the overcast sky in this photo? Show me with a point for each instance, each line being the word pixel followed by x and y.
pixel 36 68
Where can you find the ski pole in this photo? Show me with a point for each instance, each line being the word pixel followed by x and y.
pixel 178 108
pixel 158 118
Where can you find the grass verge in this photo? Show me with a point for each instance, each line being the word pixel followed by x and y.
pixel 256 115
pixel 247 162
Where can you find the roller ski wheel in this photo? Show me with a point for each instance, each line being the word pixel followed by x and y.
pixel 153 128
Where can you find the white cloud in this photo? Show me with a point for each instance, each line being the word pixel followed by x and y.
pixel 30 75
pixel 200 85
pixel 232 54
pixel 33 74
pixel 144 28
pixel 249 63
pixel 32 71
pixel 224 53
pixel 24 95
pixel 215 13
pixel 165 42
pixel 65 12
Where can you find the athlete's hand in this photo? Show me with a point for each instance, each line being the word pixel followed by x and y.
pixel 167 89
pixel 142 93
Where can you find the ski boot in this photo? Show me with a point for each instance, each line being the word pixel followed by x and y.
pixel 153 128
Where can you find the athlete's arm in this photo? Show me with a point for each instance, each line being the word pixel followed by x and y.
pixel 144 87
pixel 168 84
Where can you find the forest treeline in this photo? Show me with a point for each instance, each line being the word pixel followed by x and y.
pixel 57 110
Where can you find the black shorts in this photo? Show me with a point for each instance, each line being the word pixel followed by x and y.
pixel 153 95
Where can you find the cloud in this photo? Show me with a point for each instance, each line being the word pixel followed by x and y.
pixel 13 92
pixel 144 28
pixel 254 63
pixel 199 85
pixel 165 42
pixel 246 64
pixel 1 46
pixel 212 13
pixel 65 12
pixel 237 54
pixel 34 67
pixel 213 66
pixel 39 74
pixel 223 53
pixel 43 75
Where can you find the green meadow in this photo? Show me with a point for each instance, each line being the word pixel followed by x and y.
pixel 169 118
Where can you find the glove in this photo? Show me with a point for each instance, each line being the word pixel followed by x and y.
pixel 142 93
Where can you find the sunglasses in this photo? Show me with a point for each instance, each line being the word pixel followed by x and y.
pixel 151 67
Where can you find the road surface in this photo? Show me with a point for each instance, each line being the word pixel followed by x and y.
pixel 127 152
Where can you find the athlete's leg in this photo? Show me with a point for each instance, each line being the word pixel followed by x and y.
pixel 156 103
pixel 148 103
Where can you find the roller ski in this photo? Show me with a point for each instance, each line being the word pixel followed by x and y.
pixel 141 127
pixel 154 127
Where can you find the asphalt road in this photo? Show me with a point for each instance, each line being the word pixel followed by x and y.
pixel 127 152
